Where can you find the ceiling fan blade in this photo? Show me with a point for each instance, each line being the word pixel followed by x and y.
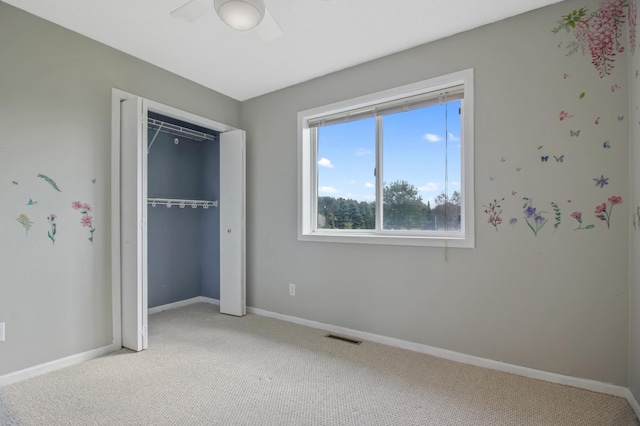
pixel 193 10
pixel 268 29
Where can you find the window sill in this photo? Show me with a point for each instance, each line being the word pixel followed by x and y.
pixel 395 239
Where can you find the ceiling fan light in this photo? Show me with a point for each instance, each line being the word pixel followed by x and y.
pixel 241 15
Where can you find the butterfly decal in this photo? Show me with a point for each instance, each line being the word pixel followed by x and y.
pixel 620 117
pixel 564 115
pixel 540 147
pixel 575 133
pixel 93 180
pixel 544 158
pixel 15 182
pixel 518 169
pixel 514 192
pixel 502 160
pixel 565 75
pixel 31 202
pixel 559 159
pixel 597 121
pixel 492 178
pixel 569 201
pixel 606 145
pixel 614 88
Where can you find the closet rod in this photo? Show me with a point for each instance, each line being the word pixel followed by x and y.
pixel 169 202
pixel 179 130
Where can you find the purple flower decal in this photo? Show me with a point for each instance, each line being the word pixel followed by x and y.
pixel 531 212
pixel 601 181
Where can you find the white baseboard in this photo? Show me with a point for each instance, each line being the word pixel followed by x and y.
pixel 633 402
pixel 588 384
pixel 198 299
pixel 47 367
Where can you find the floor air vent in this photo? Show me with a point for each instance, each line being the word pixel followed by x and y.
pixel 344 339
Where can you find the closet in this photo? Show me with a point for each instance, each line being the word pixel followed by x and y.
pixel 178 196
pixel 183 219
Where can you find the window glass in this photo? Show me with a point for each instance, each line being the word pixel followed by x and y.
pixel 346 182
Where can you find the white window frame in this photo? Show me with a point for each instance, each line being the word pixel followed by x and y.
pixel 307 170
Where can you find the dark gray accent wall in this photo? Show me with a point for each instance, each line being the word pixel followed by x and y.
pixel 183 243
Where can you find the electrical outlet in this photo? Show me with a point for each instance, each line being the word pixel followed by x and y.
pixel 1 332
pixel 292 289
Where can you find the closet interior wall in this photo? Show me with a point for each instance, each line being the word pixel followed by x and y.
pixel 183 243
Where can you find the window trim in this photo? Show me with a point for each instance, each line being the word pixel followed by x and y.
pixel 307 164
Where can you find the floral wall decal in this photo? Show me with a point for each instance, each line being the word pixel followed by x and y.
pixel 535 219
pixel 24 220
pixel 578 216
pixel 86 220
pixel 558 215
pixel 494 211
pixel 601 211
pixel 50 181
pixel 598 32
pixel 601 181
pixel 636 219
pixel 52 227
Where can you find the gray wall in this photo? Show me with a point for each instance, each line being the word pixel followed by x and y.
pixel 55 109
pixel 634 252
pixel 555 302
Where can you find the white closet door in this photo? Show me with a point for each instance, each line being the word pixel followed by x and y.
pixel 133 188
pixel 232 223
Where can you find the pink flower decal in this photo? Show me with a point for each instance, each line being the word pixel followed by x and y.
pixel 85 220
pixel 578 216
pixel 601 211
pixel 494 211
pixel 599 32
pixel 615 199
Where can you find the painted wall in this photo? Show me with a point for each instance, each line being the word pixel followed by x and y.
pixel 555 301
pixel 55 146
pixel 634 207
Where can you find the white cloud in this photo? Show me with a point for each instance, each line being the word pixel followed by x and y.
pixel 369 185
pixel 453 138
pixel 352 182
pixel 324 162
pixel 429 187
pixel 431 137
pixel 327 190
pixel 362 151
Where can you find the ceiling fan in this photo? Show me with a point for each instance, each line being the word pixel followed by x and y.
pixel 241 15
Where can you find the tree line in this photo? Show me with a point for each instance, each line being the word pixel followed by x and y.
pixel 403 208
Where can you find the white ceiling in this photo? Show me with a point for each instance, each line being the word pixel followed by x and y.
pixel 320 36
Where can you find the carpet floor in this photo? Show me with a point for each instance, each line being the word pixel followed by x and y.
pixel 204 368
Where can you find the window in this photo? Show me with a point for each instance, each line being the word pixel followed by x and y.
pixel 394 167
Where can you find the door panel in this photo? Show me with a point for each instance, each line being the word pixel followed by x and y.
pixel 232 223
pixel 132 224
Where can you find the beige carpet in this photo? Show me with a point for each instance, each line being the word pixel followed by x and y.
pixel 204 368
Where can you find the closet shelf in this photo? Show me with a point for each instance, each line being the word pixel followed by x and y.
pixel 170 202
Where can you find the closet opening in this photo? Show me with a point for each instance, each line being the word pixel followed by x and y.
pixel 183 219
pixel 178 213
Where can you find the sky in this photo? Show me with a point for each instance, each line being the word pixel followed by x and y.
pixel 414 147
